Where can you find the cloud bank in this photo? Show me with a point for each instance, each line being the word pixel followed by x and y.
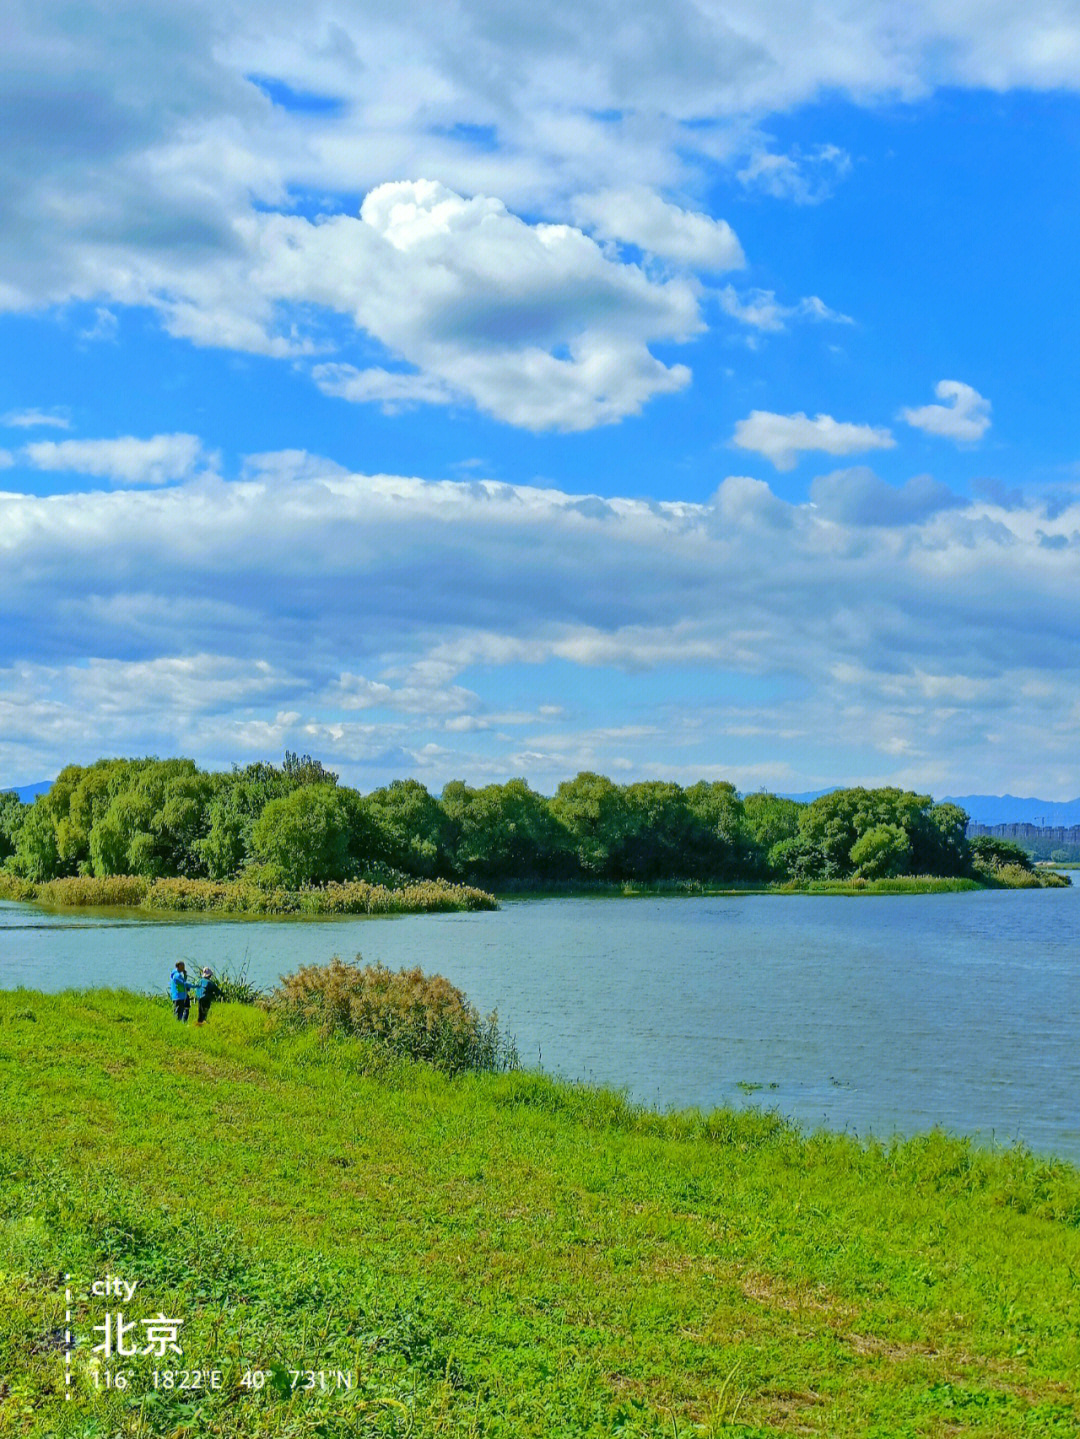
pixel 330 611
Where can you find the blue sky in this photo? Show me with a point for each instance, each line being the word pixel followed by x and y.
pixel 509 391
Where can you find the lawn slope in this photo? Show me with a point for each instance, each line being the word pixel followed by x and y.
pixel 501 1256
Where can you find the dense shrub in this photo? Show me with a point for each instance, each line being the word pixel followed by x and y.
pixel 989 853
pixel 430 896
pixel 416 1015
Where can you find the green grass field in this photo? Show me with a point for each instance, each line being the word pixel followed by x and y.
pixel 499 1255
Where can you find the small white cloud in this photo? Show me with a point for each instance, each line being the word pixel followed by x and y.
pixel 762 310
pixel 965 417
pixel 7 459
pixel 35 419
pixel 782 438
pixel 123 461
pixel 805 178
pixel 639 216
pixel 394 390
pixel 105 327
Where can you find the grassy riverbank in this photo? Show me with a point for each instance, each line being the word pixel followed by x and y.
pixel 431 896
pixel 501 1255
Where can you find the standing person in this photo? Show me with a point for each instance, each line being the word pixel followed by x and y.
pixel 180 991
pixel 205 991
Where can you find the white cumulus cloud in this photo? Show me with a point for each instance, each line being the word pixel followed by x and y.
pixel 964 417
pixel 783 438
pixel 533 323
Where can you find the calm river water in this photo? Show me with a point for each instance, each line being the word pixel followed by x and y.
pixel 875 1014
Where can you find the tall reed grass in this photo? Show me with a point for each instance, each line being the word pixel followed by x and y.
pixel 429 896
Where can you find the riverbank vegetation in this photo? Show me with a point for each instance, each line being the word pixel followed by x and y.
pixel 500 1254
pixel 290 839
pixel 431 896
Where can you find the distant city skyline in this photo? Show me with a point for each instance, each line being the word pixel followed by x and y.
pixel 500 391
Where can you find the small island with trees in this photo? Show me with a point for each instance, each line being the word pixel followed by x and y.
pixel 164 834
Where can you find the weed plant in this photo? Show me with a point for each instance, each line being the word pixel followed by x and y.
pixel 237 988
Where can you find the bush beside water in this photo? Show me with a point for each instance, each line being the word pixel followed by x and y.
pixel 414 1015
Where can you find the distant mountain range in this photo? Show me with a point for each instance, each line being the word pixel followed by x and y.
pixel 1008 809
pixel 27 792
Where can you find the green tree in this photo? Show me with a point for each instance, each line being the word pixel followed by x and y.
pixel 771 819
pixel 317 834
pixel 12 813
pixel 504 831
pixel 302 769
pixel 795 858
pixel 156 823
pixel 990 853
pixel 80 797
pixel 415 830
pixel 662 837
pixel 881 852
pixel 834 823
pixel 239 799
pixel 728 843
pixel 939 841
pixel 36 856
pixel 593 812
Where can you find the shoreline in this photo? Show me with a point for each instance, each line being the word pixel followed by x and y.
pixel 614 1101
pixel 236 899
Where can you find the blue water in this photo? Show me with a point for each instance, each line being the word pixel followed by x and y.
pixel 877 1014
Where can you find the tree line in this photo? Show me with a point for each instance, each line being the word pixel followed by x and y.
pixel 294 825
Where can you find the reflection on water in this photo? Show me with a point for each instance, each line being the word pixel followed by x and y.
pixel 876 1014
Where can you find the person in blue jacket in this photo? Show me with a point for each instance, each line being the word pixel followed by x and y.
pixel 180 990
pixel 205 992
